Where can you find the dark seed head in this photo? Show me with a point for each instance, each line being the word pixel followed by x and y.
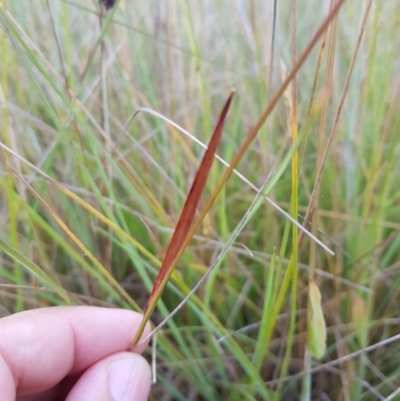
pixel 108 3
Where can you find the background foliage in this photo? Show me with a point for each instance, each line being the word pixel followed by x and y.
pixel 72 78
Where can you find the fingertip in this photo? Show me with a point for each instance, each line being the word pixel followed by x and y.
pixel 62 341
pixel 129 379
pixel 7 384
pixel 121 377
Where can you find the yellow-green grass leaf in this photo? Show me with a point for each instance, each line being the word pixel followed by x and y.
pixel 316 324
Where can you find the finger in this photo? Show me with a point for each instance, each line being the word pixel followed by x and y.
pixel 120 377
pixel 38 348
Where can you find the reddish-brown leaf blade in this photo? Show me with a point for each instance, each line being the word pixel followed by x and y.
pixel 182 231
pixel 189 209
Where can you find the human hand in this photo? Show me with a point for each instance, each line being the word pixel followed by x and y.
pixel 72 353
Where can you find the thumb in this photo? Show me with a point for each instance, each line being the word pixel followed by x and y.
pixel 120 377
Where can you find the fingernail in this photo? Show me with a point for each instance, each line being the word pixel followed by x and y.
pixel 129 379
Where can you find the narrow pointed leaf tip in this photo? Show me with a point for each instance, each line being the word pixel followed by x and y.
pixel 189 209
pixel 316 325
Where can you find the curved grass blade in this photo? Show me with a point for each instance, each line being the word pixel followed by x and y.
pixel 185 220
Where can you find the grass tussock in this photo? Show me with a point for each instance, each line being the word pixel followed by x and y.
pixel 91 189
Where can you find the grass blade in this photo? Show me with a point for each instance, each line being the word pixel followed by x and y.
pixel 185 220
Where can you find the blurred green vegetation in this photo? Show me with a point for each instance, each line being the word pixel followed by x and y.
pixel 72 77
